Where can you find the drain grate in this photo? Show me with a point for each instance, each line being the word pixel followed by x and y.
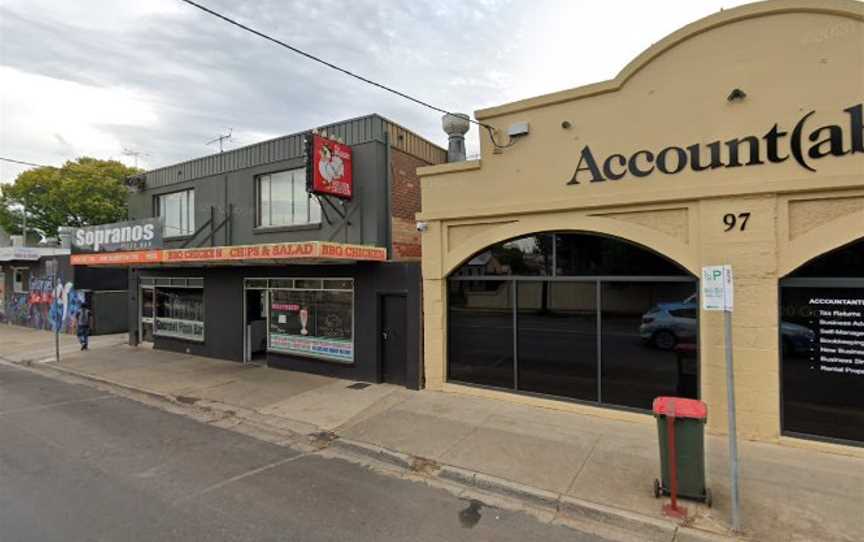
pixel 358 386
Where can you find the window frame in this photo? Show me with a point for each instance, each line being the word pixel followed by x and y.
pixel 255 283
pixel 261 224
pixel 190 212
pixel 185 283
pixel 599 280
pixel 24 284
pixel 793 281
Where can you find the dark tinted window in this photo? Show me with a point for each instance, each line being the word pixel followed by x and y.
pixel 822 344
pixel 646 351
pixel 648 333
pixel 480 333
pixel 584 254
pixel 843 262
pixel 557 338
pixel 526 256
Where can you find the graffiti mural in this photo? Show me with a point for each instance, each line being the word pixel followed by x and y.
pixel 48 305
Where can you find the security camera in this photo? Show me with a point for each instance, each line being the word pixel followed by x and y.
pixel 422 226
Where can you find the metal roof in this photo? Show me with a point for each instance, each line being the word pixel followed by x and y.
pixel 352 131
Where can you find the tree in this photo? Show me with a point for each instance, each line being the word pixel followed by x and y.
pixel 80 193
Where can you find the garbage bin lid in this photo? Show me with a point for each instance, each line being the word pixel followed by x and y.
pixel 680 407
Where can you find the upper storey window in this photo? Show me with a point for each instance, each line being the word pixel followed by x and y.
pixel 283 200
pixel 177 211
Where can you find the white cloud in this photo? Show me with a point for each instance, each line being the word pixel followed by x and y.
pixel 95 76
pixel 64 119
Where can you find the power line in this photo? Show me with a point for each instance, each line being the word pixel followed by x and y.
pixel 22 162
pixel 330 65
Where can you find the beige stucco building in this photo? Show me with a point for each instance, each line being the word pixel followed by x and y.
pixel 735 140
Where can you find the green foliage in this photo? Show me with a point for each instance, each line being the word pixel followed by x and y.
pixel 81 193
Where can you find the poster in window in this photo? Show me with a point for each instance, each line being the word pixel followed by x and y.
pixel 330 163
pixel 312 323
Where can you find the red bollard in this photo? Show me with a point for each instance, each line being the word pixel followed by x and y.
pixel 672 509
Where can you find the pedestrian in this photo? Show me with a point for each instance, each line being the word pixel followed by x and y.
pixel 84 319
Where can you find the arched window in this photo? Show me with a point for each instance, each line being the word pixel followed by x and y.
pixel 822 346
pixel 574 315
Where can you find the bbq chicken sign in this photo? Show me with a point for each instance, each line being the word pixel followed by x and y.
pixel 329 168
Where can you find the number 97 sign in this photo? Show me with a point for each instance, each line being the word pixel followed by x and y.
pixel 717 288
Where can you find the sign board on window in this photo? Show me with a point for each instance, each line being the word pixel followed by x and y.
pixel 717 288
pixel 329 166
pixel 142 234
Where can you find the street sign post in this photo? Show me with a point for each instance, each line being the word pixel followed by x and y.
pixel 718 295
pixel 51 268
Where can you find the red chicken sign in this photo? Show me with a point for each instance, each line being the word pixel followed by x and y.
pixel 330 173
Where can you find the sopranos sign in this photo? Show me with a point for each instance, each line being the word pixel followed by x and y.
pixel 329 169
pixel 133 235
pixel 772 147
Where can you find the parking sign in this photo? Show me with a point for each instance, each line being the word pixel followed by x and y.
pixel 717 288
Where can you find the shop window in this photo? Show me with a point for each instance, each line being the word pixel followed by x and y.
pixel 580 254
pixel 283 200
pixel 313 322
pixel 177 211
pixel 847 261
pixel 480 333
pixel 525 256
pixel 179 312
pixel 822 347
pixel 557 338
pixel 147 304
pixel 562 324
pixel 650 332
pixel 20 280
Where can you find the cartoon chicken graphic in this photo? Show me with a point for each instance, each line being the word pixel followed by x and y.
pixel 331 166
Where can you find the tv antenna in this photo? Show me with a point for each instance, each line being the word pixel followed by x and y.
pixel 131 152
pixel 221 139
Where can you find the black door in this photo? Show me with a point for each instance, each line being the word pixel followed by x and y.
pixel 393 344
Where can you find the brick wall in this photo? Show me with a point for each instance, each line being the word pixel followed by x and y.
pixel 405 196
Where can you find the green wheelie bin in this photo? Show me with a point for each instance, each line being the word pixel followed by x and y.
pixel 688 416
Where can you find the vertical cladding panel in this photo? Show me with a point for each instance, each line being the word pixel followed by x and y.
pixel 353 132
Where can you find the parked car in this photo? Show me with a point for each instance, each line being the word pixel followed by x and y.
pixel 667 324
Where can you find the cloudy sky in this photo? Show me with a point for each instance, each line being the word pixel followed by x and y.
pixel 158 77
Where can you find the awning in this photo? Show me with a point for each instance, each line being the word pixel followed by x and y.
pixel 30 254
pixel 308 252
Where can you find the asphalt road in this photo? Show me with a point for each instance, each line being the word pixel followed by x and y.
pixel 79 464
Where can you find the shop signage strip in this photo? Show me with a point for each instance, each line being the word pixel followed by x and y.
pixel 134 235
pixel 271 251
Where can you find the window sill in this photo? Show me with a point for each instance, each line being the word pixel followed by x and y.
pixel 282 229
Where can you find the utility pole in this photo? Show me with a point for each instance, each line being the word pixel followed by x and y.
pixel 24 225
pixel 221 139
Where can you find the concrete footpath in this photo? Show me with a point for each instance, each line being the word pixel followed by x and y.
pixel 587 467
